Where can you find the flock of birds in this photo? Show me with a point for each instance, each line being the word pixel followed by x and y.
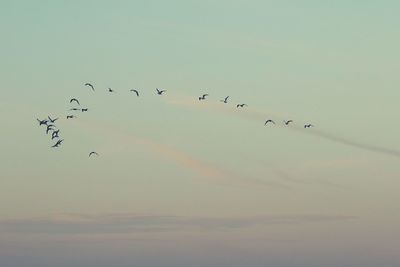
pixel 50 123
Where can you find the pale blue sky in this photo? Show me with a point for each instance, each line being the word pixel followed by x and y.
pixel 213 181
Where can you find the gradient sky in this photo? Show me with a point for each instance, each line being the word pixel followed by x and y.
pixel 184 183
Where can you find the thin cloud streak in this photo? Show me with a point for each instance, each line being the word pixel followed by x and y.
pixel 258 115
pixel 201 168
pixel 132 223
pixel 344 141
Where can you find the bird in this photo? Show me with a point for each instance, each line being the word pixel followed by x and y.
pixel 241 105
pixel 58 143
pixel 225 100
pixel 287 122
pixel 93 153
pixel 70 116
pixel 74 100
pixel 111 90
pixel 42 122
pixel 160 92
pixel 203 97
pixel 90 85
pixel 55 134
pixel 52 120
pixel 269 121
pixel 308 125
pixel 49 128
pixel 84 109
pixel 75 109
pixel 135 91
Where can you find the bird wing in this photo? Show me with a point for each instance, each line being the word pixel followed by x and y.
pixel 88 84
pixel 74 99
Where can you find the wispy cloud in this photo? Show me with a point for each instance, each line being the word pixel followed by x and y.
pixel 255 114
pixel 348 142
pixel 200 167
pixel 131 223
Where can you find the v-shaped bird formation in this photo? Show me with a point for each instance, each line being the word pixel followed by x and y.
pixel 51 127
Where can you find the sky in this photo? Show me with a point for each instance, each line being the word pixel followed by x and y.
pixel 182 182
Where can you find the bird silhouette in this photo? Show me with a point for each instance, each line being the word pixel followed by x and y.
pixel 287 122
pixel 42 122
pixel 203 97
pixel 74 100
pixel 52 120
pixel 55 134
pixel 75 109
pixel 160 92
pixel 58 143
pixel 49 128
pixel 84 109
pixel 225 100
pixel 241 105
pixel 90 85
pixel 135 91
pixel 93 153
pixel 111 90
pixel 308 125
pixel 269 121
pixel 70 117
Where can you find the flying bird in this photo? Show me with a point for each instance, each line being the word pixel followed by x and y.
pixel 308 125
pixel 42 122
pixel 93 153
pixel 84 109
pixel 52 120
pixel 203 97
pixel 90 85
pixel 58 143
pixel 241 105
pixel 269 121
pixel 111 90
pixel 74 100
pixel 70 116
pixel 55 134
pixel 135 91
pixel 225 100
pixel 49 128
pixel 287 122
pixel 160 92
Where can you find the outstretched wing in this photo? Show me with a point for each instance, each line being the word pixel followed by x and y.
pixel 88 84
pixel 74 100
pixel 136 92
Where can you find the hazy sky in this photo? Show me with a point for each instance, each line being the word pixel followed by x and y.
pixel 185 183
